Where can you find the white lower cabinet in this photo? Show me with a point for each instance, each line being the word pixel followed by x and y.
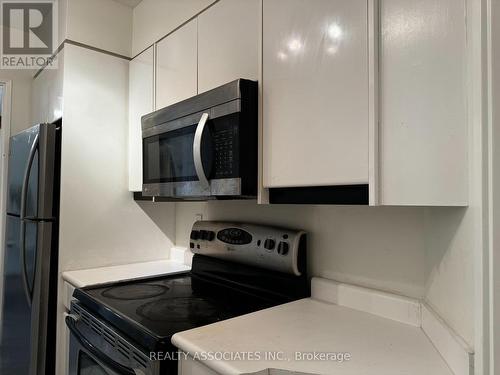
pixel 189 366
pixel 141 87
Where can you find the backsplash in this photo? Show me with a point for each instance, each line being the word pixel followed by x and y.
pixel 395 249
pixel 382 247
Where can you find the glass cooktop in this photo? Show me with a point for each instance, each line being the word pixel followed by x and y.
pixel 152 310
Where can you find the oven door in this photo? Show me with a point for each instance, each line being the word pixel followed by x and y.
pixel 96 350
pixel 178 158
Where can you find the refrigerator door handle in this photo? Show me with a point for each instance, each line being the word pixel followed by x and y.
pixel 22 243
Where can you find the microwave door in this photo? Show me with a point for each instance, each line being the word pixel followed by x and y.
pixel 178 161
pixel 170 167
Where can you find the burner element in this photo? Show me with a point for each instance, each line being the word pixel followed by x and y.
pixel 134 291
pixel 181 309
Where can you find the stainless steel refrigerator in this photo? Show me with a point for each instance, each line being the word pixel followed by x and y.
pixel 29 312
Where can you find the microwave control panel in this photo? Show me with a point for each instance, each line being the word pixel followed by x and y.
pixel 257 245
pixel 225 141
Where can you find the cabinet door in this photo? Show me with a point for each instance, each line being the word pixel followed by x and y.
pixel 40 98
pixel 56 90
pixel 47 94
pixel 423 103
pixel 140 103
pixel 315 92
pixel 176 66
pixel 228 43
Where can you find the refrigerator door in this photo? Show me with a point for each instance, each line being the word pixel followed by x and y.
pixel 15 348
pixel 30 275
pixel 43 310
pixel 19 152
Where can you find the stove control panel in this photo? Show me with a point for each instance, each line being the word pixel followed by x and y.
pixel 262 246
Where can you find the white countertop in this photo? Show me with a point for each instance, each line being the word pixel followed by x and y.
pixel 125 272
pixel 377 345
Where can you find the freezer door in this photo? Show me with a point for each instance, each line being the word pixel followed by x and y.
pixel 29 310
pixel 16 338
pixel 44 312
pixel 19 152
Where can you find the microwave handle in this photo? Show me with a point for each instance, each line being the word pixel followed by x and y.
pixel 198 162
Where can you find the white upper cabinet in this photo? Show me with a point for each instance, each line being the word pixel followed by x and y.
pixel 40 98
pixel 176 66
pixel 351 94
pixel 423 118
pixel 315 93
pixel 228 43
pixel 141 88
pixel 47 94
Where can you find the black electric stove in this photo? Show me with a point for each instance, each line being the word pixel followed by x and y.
pixel 146 313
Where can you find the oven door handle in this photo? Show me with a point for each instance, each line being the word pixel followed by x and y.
pixel 111 363
pixel 197 156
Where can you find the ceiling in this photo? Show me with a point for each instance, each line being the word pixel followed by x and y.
pixel 130 3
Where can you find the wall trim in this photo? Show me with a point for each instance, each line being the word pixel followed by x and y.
pixel 83 45
pixel 176 28
pixel 391 306
pixel 92 48
pixel 455 352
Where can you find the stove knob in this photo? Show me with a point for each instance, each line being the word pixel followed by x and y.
pixel 203 235
pixel 269 244
pixel 283 248
pixel 195 235
pixel 210 236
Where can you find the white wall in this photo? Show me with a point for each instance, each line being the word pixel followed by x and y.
pixel 450 237
pixel 378 247
pixel 102 24
pixel 21 98
pixel 153 19
pixel 100 223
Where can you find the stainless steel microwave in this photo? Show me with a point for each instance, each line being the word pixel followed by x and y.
pixel 204 147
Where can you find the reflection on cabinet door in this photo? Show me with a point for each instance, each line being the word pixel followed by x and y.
pixel 228 43
pixel 176 66
pixel 140 103
pixel 315 92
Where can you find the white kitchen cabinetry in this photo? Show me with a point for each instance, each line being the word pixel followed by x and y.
pixel 315 93
pixel 141 88
pixel 228 43
pixel 423 106
pixel 189 366
pixel 47 94
pixel 40 98
pixel 176 66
